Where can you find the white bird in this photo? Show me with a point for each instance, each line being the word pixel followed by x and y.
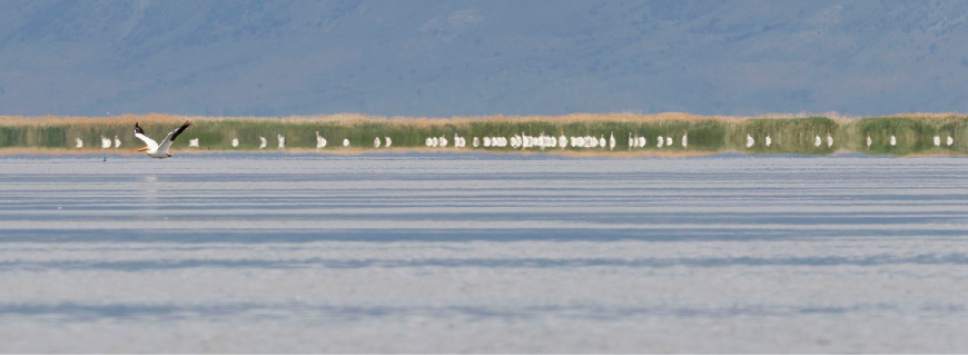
pixel 611 141
pixel 346 142
pixel 320 141
pixel 937 141
pixel 768 141
pixel 387 142
pixel 78 143
pixel 117 142
pixel 476 142
pixel 643 142
pixel 487 142
pixel 442 141
pixel 830 140
pixel 893 140
pixel 661 140
pixel 154 149
pixel 193 142
pixel 817 141
pixel 601 141
pixel 669 141
pixel 869 141
pixel 562 141
pixel 950 141
pixel 235 142
pixel 105 142
pixel 750 141
pixel 429 142
pixel 263 142
pixel 280 141
pixel 376 142
pixel 685 140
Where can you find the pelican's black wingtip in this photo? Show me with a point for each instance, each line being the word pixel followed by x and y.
pixel 138 129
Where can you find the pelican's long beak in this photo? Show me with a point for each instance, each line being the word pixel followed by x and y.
pixel 144 149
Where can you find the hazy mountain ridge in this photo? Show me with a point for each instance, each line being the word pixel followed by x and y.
pixel 481 57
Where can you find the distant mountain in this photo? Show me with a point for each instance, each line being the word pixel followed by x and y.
pixel 437 58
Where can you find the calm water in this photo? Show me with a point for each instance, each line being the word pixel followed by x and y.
pixel 480 253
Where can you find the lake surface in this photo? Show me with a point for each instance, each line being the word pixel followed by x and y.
pixel 483 253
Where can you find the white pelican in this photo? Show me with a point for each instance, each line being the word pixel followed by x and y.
pixel 429 142
pixel 601 141
pixel 476 142
pixel 750 141
pixel 661 140
pixel 643 142
pixel 768 141
pixel 280 141
pixel 685 140
pixel 193 142
pixel 830 140
pixel 817 141
pixel 78 143
pixel 669 141
pixel 442 141
pixel 591 142
pixel 263 142
pixel 611 141
pixel 235 142
pixel 105 142
pixel 893 140
pixel 937 141
pixel 869 141
pixel 154 149
pixel 376 142
pixel 562 141
pixel 346 142
pixel 320 141
pixel 950 141
pixel 117 142
pixel 487 142
pixel 387 142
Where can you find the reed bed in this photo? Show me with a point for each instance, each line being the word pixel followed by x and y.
pixel 917 133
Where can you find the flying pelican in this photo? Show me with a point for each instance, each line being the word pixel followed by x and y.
pixel 193 142
pixel 817 141
pixel 950 141
pixel 280 141
pixel 750 141
pixel 263 142
pixel 154 149
pixel 117 142
pixel 893 140
pixel 78 143
pixel 768 141
pixel 235 142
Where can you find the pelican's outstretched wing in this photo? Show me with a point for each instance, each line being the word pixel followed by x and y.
pixel 140 134
pixel 166 143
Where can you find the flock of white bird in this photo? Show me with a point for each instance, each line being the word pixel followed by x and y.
pixel 544 141
pixel 524 141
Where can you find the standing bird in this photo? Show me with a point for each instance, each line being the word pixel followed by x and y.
pixel 152 148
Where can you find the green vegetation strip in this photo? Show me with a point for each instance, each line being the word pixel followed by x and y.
pixel 896 135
